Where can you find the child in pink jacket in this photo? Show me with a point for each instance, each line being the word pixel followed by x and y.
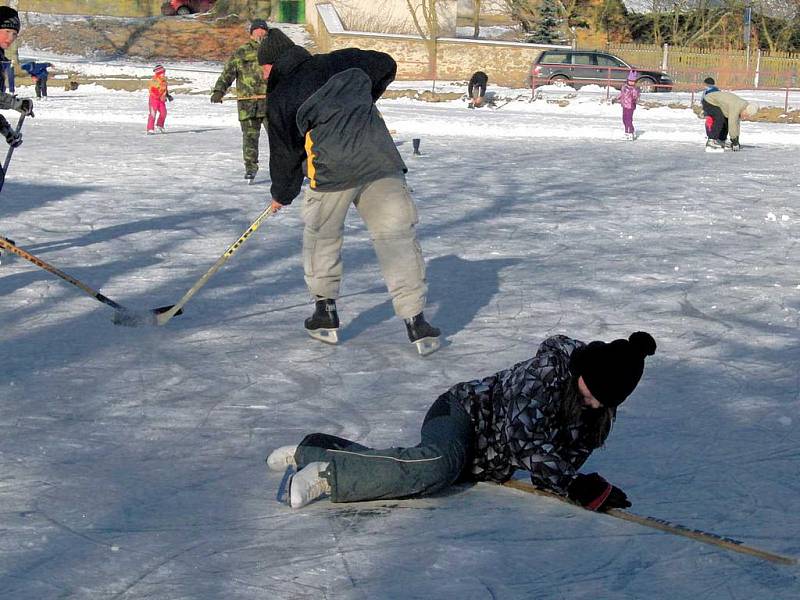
pixel 628 98
pixel 159 94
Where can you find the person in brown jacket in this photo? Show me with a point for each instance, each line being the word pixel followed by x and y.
pixel 727 109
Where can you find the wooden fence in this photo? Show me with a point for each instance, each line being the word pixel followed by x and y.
pixel 731 68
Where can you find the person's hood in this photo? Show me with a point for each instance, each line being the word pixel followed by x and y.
pixel 345 89
pixel 289 60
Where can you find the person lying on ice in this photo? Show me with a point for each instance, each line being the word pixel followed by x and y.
pixel 544 415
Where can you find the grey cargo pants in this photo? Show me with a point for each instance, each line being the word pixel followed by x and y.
pixel 389 212
pixel 357 473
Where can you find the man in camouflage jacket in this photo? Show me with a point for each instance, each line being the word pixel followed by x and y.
pixel 251 88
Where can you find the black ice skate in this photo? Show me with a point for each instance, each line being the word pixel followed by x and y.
pixel 250 178
pixel 422 334
pixel 323 325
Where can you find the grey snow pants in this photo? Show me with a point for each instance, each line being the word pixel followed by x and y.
pixel 390 215
pixel 358 473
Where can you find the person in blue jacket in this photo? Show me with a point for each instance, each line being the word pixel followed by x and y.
pixel 38 71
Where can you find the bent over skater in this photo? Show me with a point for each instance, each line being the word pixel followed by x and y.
pixel 322 117
pixel 545 415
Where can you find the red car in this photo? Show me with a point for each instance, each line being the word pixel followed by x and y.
pixel 185 7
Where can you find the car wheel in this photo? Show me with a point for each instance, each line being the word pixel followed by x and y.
pixel 646 85
pixel 184 10
pixel 559 80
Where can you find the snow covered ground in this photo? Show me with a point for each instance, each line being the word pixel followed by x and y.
pixel 132 458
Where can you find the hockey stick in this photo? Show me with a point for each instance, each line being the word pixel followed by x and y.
pixel 122 315
pixel 228 98
pixel 166 315
pixel 10 152
pixel 666 526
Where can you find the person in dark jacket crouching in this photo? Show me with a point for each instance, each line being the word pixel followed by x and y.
pixel 322 118
pixel 544 415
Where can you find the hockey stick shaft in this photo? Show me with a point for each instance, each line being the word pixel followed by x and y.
pixel 666 526
pixel 68 278
pixel 165 316
pixel 237 98
pixel 10 152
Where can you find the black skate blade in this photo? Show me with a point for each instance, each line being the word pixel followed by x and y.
pixel 328 336
pixel 163 309
pixel 427 345
pixel 286 484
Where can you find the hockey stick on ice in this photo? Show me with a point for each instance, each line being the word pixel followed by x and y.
pixel 122 315
pixel 666 526
pixel 10 152
pixel 166 315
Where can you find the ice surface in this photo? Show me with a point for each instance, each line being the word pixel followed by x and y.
pixel 133 458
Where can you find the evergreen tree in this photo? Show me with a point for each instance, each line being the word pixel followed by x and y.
pixel 547 28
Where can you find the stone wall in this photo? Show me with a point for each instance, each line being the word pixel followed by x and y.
pixel 115 8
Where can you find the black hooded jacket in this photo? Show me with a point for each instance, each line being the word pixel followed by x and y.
pixel 296 75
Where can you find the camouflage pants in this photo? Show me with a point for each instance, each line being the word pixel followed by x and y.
pixel 251 131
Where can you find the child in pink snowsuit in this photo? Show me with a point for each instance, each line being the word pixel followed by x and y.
pixel 159 94
pixel 628 98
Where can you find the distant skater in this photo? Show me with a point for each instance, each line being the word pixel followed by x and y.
pixel 159 94
pixel 39 74
pixel 476 89
pixel 726 110
pixel 628 98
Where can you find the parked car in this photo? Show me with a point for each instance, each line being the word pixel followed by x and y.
pixel 185 7
pixel 585 67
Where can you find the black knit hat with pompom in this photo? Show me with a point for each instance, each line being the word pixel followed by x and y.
pixel 612 370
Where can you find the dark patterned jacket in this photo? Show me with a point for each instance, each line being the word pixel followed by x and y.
pixel 517 425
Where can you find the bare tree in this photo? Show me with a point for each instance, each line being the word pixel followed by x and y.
pixel 423 12
pixel 476 18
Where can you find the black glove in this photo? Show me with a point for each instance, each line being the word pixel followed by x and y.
pixel 216 97
pixel 735 144
pixel 593 492
pixel 169 97
pixel 23 105
pixel 14 138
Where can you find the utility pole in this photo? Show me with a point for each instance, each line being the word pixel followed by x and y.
pixel 748 18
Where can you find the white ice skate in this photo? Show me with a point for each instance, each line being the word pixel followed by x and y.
pixel 714 146
pixel 161 130
pixel 303 487
pixel 282 457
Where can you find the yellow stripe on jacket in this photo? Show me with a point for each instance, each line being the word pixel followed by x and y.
pixel 311 169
